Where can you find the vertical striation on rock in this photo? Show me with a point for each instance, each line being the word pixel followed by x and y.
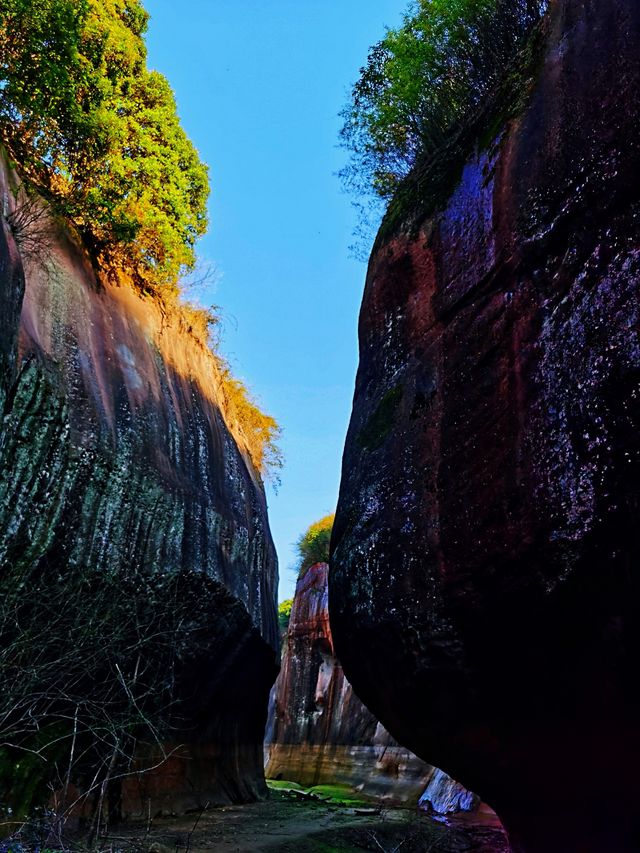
pixel 319 732
pixel 115 457
pixel 484 592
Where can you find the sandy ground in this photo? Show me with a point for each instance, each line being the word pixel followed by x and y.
pixel 280 825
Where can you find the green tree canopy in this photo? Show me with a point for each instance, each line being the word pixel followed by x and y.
pixel 424 80
pixel 313 546
pixel 284 614
pixel 98 133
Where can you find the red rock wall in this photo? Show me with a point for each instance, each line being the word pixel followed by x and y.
pixel 484 585
pixel 320 733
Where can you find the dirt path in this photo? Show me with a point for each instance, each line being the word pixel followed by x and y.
pixel 281 825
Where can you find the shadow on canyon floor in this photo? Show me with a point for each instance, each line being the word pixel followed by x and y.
pixel 283 825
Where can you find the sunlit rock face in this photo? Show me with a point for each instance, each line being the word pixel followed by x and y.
pixel 114 456
pixel 319 732
pixel 484 585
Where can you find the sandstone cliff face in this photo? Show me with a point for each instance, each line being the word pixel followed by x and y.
pixel 320 733
pixel 484 586
pixel 115 457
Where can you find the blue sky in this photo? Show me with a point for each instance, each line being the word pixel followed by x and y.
pixel 259 85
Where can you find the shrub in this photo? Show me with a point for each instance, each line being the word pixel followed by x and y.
pixel 284 614
pixel 254 430
pixel 313 546
pixel 426 79
pixel 92 668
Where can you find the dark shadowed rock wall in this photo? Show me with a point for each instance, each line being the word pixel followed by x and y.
pixel 319 732
pixel 484 590
pixel 114 455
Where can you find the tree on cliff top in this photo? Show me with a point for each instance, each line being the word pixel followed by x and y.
pixel 424 80
pixel 95 132
pixel 313 546
pixel 98 134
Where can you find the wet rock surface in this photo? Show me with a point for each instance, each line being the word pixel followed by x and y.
pixel 319 732
pixel 484 594
pixel 115 457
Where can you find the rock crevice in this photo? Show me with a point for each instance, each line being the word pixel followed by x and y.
pixel 320 733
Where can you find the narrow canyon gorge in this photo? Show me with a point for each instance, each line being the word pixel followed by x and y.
pixel 320 733
pixel 475 623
